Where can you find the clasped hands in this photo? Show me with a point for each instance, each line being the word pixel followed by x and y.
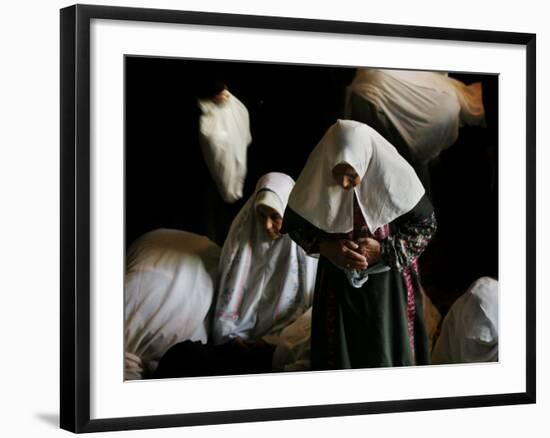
pixel 349 254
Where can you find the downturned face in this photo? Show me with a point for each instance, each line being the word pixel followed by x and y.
pixel 345 176
pixel 270 221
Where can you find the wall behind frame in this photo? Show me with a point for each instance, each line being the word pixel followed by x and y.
pixel 30 201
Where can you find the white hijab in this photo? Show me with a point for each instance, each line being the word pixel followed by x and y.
pixel 264 284
pixel 224 139
pixel 427 108
pixel 389 186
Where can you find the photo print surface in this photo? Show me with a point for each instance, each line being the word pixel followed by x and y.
pixel 283 217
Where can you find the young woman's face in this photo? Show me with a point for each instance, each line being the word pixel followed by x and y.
pixel 345 176
pixel 270 221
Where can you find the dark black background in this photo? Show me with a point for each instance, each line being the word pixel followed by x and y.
pixel 168 185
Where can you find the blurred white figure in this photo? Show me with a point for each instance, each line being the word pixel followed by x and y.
pixel 425 108
pixel 224 138
pixel 266 280
pixel 169 285
pixel 469 332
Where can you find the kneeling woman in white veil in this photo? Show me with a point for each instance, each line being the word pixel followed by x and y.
pixel 266 281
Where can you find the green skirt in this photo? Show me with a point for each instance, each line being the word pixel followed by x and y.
pixel 380 324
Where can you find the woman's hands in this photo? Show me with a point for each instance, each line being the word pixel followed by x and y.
pixel 343 253
pixel 352 255
pixel 370 249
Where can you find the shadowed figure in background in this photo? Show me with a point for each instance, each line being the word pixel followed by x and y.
pixel 224 137
pixel 419 112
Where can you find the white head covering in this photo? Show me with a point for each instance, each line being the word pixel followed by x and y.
pixel 264 284
pixel 224 139
pixel 168 290
pixel 469 332
pixel 426 108
pixel 389 186
pixel 270 199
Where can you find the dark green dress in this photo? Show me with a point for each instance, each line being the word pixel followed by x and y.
pixel 381 323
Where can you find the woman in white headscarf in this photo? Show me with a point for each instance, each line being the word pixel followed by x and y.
pixel 266 281
pixel 361 207
pixel 419 112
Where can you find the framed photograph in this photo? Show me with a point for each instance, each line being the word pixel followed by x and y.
pixel 210 269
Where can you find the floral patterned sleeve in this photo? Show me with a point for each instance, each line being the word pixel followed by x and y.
pixel 409 236
pixel 302 231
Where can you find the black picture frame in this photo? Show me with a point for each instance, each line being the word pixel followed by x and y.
pixel 75 217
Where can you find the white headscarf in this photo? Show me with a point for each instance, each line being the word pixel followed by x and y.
pixel 168 288
pixel 389 186
pixel 264 284
pixel 469 332
pixel 224 139
pixel 426 108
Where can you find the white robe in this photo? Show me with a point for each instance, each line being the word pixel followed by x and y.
pixel 469 332
pixel 224 139
pixel 426 108
pixel 264 284
pixel 169 285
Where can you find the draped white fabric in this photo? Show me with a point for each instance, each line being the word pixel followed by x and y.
pixel 389 186
pixel 293 346
pixel 169 285
pixel 224 139
pixel 426 108
pixel 469 332
pixel 264 284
